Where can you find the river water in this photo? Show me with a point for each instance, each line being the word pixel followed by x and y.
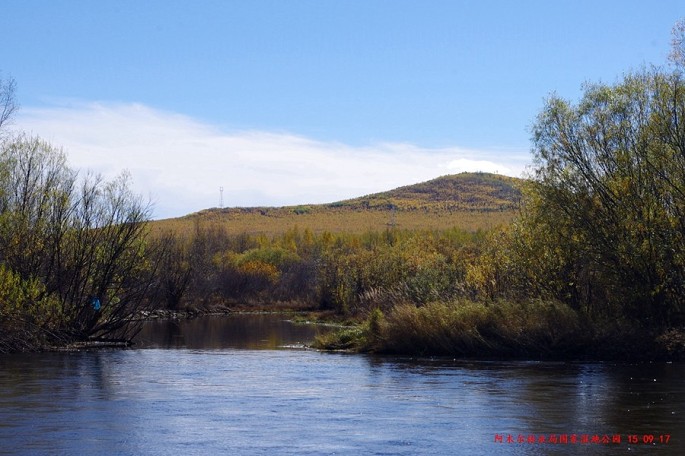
pixel 246 385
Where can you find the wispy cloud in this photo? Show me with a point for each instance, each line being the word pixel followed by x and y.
pixel 181 163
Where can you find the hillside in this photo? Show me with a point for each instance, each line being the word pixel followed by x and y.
pixel 459 192
pixel 469 201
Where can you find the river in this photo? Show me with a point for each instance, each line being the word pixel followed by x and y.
pixel 246 385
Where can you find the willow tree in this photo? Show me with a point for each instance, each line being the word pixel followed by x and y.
pixel 80 241
pixel 610 181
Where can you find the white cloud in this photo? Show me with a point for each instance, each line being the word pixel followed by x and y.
pixel 181 163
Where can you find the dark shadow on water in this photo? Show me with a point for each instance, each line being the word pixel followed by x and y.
pixel 241 331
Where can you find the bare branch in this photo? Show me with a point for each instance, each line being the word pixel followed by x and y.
pixel 677 55
pixel 8 103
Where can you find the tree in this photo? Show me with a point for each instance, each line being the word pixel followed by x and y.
pixel 610 176
pixel 8 104
pixel 82 239
pixel 176 268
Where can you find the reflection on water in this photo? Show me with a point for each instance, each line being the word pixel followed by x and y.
pixel 227 400
pixel 251 331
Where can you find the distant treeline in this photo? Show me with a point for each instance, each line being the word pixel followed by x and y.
pixel 346 273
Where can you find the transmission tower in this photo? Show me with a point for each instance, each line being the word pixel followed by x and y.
pixel 221 197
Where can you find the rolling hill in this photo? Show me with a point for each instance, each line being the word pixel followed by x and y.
pixel 470 201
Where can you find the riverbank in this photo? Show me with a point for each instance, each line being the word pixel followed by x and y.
pixel 534 330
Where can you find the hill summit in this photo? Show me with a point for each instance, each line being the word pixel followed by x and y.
pixel 465 192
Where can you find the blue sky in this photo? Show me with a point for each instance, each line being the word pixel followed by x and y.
pixel 288 102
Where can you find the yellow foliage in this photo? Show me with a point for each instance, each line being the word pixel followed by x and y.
pixel 259 269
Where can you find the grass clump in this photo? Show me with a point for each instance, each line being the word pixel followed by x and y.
pixel 437 328
pixel 364 337
pixel 349 338
pixel 466 328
